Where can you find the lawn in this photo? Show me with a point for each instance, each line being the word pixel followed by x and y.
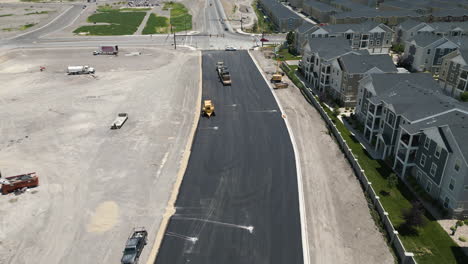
pixel 6 15
pixel 431 244
pixel 156 24
pixel 283 54
pixel 180 18
pixel 120 23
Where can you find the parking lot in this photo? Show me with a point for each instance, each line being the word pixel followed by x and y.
pixel 96 184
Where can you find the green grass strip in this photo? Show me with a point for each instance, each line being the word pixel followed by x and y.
pixel 156 25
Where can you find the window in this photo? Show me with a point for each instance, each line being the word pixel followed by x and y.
pixel 428 187
pixel 427 141
pixel 428 51
pixel 433 169
pixel 457 165
pixel 446 202
pixel 377 42
pixel 386 42
pixel 423 160
pixel 418 176
pixel 452 184
pixel 466 187
pixel 371 42
pixel 437 152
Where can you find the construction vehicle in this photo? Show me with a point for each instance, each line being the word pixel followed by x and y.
pixel 71 70
pixel 277 78
pixel 134 246
pixel 107 50
pixel 13 183
pixel 119 121
pixel 208 108
pixel 223 73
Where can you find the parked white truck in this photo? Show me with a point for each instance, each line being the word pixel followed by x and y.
pixel 119 121
pixel 80 70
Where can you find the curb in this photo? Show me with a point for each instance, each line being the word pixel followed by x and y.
pixel 170 209
pixel 302 210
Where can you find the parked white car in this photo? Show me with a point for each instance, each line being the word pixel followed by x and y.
pixel 229 48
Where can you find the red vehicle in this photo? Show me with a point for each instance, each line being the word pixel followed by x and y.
pixel 28 180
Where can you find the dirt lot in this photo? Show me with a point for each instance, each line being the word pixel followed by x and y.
pixel 340 228
pixel 235 9
pixel 15 16
pixel 96 184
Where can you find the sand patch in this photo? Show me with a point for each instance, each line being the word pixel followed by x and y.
pixel 104 218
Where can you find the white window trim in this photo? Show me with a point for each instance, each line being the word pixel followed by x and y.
pixel 435 170
pixel 438 152
pixel 457 162
pixel 428 141
pixel 421 160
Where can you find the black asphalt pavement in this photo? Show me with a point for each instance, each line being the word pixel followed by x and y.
pixel 238 202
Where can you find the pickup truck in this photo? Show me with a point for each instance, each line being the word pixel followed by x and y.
pixel 134 246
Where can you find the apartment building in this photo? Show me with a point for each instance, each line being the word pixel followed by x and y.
pixel 410 28
pixel 424 52
pixel 282 17
pixel 374 37
pixel 317 59
pixel 318 10
pixel 349 69
pixel 453 76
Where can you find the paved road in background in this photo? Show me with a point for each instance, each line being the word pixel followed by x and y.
pixel 238 202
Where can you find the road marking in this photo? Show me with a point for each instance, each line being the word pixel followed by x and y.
pixel 161 167
pixel 302 210
pixel 57 17
pixel 68 24
pixel 248 228
pixel 209 128
pixel 191 239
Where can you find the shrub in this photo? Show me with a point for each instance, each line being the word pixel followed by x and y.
pixel 460 223
pixel 465 221
pixel 462 239
pixel 453 228
pixel 464 97
pixel 336 112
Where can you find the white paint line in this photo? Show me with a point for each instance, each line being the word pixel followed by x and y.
pixel 302 210
pixel 53 20
pixel 66 25
pixel 248 228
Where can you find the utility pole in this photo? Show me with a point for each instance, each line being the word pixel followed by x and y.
pixel 242 20
pixel 263 34
pixel 175 42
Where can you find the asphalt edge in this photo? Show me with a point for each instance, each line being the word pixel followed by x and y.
pixel 302 210
pixel 170 209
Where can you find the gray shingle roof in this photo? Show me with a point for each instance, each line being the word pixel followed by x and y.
pixel 425 39
pixel 456 121
pixel 306 26
pixel 377 13
pixel 320 6
pixel 448 26
pixel 409 24
pixel 329 48
pixel 358 64
pixel 412 95
pixel 361 27
pixel 279 10
pixel 451 12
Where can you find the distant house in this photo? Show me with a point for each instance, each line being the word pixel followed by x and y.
pixel 317 59
pixel 283 18
pixel 374 37
pixel 453 76
pixel 410 28
pixel 301 34
pixel 390 18
pixel 349 69
pixel 424 52
pixel 318 10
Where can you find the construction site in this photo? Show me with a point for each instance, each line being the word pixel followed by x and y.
pixel 94 183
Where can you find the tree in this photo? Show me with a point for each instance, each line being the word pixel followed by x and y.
pixel 464 97
pixel 392 181
pixel 414 216
pixel 290 37
pixel 336 112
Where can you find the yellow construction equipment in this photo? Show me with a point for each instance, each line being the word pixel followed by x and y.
pixel 277 79
pixel 208 108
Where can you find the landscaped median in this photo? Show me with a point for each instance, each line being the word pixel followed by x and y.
pixel 180 18
pixel 156 25
pixel 116 22
pixel 429 243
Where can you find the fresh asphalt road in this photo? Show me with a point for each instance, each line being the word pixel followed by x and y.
pixel 238 202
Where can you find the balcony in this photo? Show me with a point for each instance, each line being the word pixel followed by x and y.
pixel 405 138
pixel 402 153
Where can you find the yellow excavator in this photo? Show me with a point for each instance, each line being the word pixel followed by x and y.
pixel 277 79
pixel 208 108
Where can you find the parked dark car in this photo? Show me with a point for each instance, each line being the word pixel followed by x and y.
pixel 134 246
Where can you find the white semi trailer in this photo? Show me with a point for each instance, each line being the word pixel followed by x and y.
pixel 80 70
pixel 119 121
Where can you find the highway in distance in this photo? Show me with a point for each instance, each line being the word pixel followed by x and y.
pixel 238 201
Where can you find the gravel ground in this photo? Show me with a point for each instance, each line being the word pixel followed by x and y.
pixel 243 8
pixel 461 232
pixel 340 228
pixel 96 184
